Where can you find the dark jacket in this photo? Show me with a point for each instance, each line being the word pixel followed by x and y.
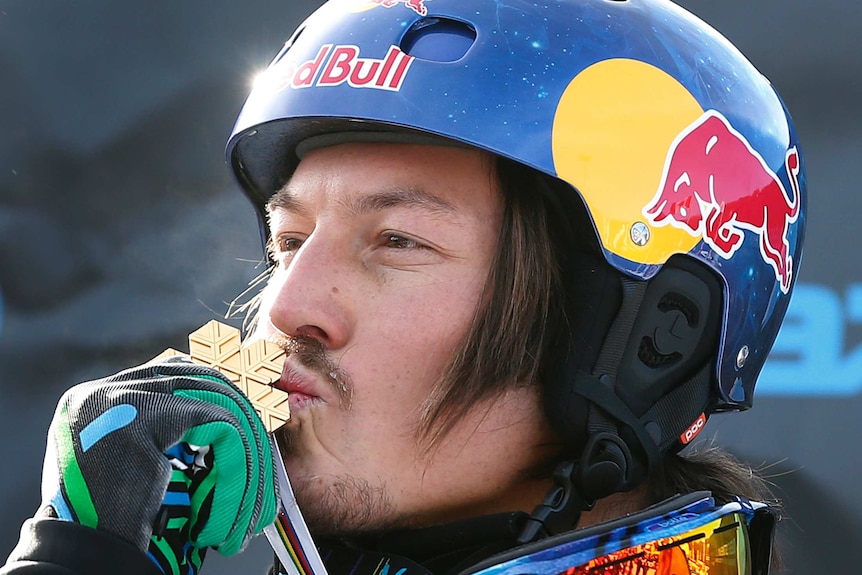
pixel 54 547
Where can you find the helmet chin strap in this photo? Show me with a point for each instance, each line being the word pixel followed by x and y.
pixel 606 464
pixel 650 380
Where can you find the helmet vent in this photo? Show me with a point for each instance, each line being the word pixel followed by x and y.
pixel 674 301
pixel 652 357
pixel 438 39
pixel 288 45
pixel 681 310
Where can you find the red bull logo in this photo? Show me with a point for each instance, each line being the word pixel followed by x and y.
pixel 716 186
pixel 336 65
pixel 417 6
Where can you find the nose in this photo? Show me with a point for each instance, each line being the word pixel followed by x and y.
pixel 304 298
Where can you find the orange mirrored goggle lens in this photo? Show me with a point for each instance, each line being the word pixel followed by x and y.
pixel 717 548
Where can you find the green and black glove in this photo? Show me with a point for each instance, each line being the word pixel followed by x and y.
pixel 168 456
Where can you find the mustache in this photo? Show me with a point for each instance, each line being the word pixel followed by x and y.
pixel 311 354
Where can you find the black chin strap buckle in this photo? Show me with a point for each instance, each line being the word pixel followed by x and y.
pixel 603 469
pixel 605 466
pixel 560 510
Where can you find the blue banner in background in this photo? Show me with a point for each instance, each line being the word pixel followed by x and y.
pixel 813 354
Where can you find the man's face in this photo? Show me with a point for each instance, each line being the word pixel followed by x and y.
pixel 382 253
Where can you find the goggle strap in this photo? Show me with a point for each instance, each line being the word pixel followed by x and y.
pixel 761 535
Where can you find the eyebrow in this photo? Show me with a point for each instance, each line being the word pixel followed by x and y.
pixel 408 197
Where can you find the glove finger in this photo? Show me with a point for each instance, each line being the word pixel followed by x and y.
pixel 220 502
pixel 257 495
pixel 259 506
pixel 170 547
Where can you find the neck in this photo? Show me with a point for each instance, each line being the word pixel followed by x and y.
pixel 615 506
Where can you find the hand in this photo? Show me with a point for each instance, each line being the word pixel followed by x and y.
pixel 169 456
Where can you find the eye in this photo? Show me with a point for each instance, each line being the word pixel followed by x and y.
pixel 399 242
pixel 284 245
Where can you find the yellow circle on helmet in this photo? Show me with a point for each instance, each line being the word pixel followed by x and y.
pixel 613 128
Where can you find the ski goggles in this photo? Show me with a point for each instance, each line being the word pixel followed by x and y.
pixel 684 535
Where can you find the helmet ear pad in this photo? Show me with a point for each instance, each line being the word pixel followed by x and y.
pixel 675 334
pixel 642 340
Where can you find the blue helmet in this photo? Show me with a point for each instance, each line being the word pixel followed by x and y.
pixel 680 153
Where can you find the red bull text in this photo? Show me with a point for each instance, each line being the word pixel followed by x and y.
pixel 715 185
pixel 417 6
pixel 335 65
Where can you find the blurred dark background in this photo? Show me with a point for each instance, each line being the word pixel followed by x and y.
pixel 121 230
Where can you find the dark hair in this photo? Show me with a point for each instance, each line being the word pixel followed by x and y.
pixel 708 468
pixel 521 310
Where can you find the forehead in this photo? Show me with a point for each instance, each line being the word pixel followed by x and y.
pixel 375 176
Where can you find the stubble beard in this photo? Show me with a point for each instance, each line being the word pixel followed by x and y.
pixel 338 505
pixel 333 505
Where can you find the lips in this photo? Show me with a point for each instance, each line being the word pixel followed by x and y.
pixel 300 386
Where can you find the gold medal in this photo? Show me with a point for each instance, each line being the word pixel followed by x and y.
pixel 253 367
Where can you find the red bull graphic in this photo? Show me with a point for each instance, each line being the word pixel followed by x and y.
pixel 335 65
pixel 715 185
pixel 417 6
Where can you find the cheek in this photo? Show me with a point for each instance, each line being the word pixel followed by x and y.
pixel 435 316
pixel 410 341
